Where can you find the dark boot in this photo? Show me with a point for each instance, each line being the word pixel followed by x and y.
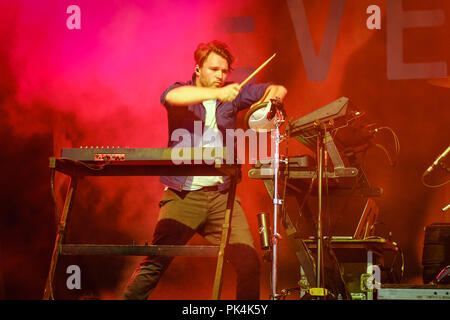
pixel 246 263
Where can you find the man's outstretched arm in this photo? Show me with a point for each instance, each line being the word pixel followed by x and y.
pixel 187 95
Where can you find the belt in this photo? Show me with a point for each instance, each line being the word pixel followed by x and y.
pixel 208 188
pixel 183 193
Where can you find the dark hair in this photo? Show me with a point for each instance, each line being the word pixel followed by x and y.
pixel 220 48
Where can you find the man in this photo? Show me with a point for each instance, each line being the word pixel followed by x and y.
pixel 197 204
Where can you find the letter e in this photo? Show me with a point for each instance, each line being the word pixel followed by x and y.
pixel 397 21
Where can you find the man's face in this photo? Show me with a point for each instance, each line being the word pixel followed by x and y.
pixel 213 72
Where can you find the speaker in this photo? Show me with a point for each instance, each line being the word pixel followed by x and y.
pixel 436 250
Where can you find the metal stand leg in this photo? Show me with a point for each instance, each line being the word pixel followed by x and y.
pixel 320 292
pixel 319 265
pixel 225 237
pixel 48 292
pixel 276 202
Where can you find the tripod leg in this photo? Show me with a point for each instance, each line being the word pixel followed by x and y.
pixel 48 291
pixel 225 237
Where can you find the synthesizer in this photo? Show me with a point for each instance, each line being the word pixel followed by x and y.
pixel 176 155
pixel 143 162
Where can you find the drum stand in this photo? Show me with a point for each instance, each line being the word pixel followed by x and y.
pixel 276 202
pixel 264 123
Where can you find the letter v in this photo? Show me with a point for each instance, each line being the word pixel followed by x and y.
pixel 316 66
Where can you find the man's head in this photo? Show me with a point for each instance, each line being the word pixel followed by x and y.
pixel 213 64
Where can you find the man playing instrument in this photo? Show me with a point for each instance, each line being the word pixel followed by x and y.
pixel 197 204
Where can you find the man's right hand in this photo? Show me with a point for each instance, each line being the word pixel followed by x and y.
pixel 229 92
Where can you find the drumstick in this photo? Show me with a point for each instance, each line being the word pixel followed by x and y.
pixel 256 71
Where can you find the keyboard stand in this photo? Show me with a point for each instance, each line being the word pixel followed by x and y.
pixel 77 169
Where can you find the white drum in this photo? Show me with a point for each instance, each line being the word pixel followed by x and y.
pixel 265 116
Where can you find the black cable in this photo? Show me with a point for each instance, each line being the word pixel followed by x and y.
pixel 392 163
pixel 95 167
pixel 435 185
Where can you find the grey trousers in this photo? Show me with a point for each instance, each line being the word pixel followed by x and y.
pixel 182 214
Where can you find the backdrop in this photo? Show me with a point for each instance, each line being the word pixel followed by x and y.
pixel 90 73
